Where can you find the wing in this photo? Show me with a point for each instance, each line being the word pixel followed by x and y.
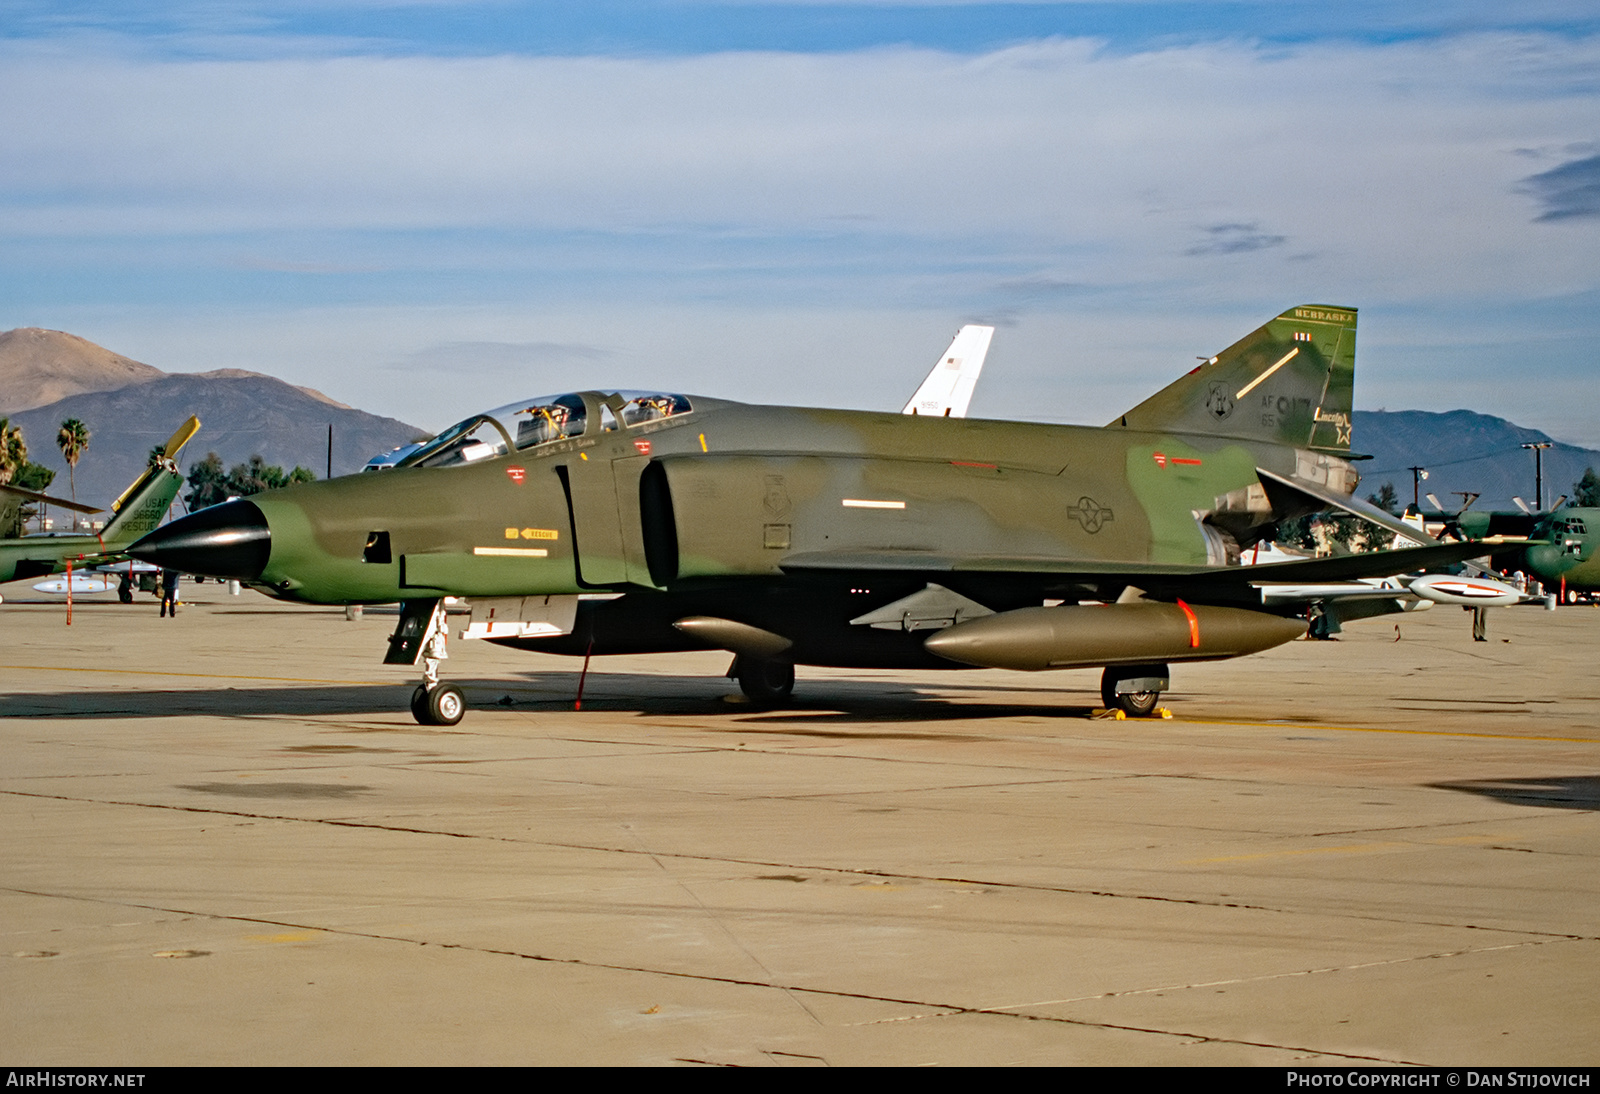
pixel 974 575
pixel 1287 495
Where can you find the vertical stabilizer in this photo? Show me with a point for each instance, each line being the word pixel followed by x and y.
pixel 140 508
pixel 948 389
pixel 1291 382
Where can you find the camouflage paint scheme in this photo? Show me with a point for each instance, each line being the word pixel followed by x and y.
pixel 797 521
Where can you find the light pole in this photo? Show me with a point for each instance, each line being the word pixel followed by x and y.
pixel 1417 475
pixel 1538 473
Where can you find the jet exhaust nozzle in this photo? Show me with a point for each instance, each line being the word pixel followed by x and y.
pixel 1081 636
pixel 231 540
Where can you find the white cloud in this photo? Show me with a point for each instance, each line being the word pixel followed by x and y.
pixel 1152 205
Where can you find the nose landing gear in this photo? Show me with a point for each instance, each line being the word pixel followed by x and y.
pixel 441 705
pixel 422 635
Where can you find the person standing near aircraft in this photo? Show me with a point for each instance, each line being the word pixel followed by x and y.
pixel 169 593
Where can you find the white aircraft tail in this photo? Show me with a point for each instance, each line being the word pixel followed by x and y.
pixel 948 388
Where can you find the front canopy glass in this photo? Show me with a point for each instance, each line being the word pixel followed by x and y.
pixel 535 422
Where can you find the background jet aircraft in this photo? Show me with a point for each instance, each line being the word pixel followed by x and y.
pixel 803 536
pixel 137 512
pixel 948 389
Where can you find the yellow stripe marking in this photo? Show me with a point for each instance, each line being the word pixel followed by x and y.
pixel 1248 388
pixel 187 675
pixel 1281 727
pixel 1352 849
pixel 860 503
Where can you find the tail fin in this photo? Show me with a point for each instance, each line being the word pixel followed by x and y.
pixel 948 388
pixel 142 505
pixel 1291 382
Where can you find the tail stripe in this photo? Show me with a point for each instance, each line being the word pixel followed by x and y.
pixel 1284 360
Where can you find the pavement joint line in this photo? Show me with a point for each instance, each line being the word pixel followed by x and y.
pixel 949 1009
pixel 853 871
pixel 721 924
pixel 1308 727
pixel 1467 952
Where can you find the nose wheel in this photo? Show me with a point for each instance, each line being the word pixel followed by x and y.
pixel 422 635
pixel 442 705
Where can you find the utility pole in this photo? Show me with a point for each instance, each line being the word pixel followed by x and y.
pixel 1538 473
pixel 1417 475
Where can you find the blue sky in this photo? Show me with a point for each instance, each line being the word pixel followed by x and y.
pixel 428 208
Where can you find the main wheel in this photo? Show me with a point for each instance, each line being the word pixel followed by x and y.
pixel 1136 703
pixel 419 705
pixel 446 705
pixel 768 683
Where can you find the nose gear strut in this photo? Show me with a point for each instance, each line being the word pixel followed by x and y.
pixel 423 635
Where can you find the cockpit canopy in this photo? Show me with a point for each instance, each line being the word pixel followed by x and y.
pixel 533 422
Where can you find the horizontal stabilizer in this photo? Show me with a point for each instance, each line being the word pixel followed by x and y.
pixel 1352 567
pixel 46 499
pixel 1277 486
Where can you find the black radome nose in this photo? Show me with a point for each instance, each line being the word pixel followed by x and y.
pixel 230 540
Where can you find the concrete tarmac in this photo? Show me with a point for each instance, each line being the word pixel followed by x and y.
pixel 227 842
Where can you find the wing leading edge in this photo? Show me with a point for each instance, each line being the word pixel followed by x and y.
pixel 1155 578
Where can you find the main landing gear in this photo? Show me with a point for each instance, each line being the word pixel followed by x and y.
pixel 765 682
pixel 422 635
pixel 1134 689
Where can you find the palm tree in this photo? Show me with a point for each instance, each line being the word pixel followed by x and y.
pixel 73 440
pixel 13 450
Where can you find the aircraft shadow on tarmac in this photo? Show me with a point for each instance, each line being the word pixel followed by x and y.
pixel 1554 792
pixel 827 702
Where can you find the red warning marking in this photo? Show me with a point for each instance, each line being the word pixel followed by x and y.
pixel 1194 626
pixel 1161 459
pixel 643 447
pixel 1191 463
pixel 517 474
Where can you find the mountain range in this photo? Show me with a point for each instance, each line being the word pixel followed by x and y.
pixel 48 376
pixel 1462 450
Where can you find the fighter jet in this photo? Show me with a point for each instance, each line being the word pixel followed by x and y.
pixel 631 522
pixel 138 511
